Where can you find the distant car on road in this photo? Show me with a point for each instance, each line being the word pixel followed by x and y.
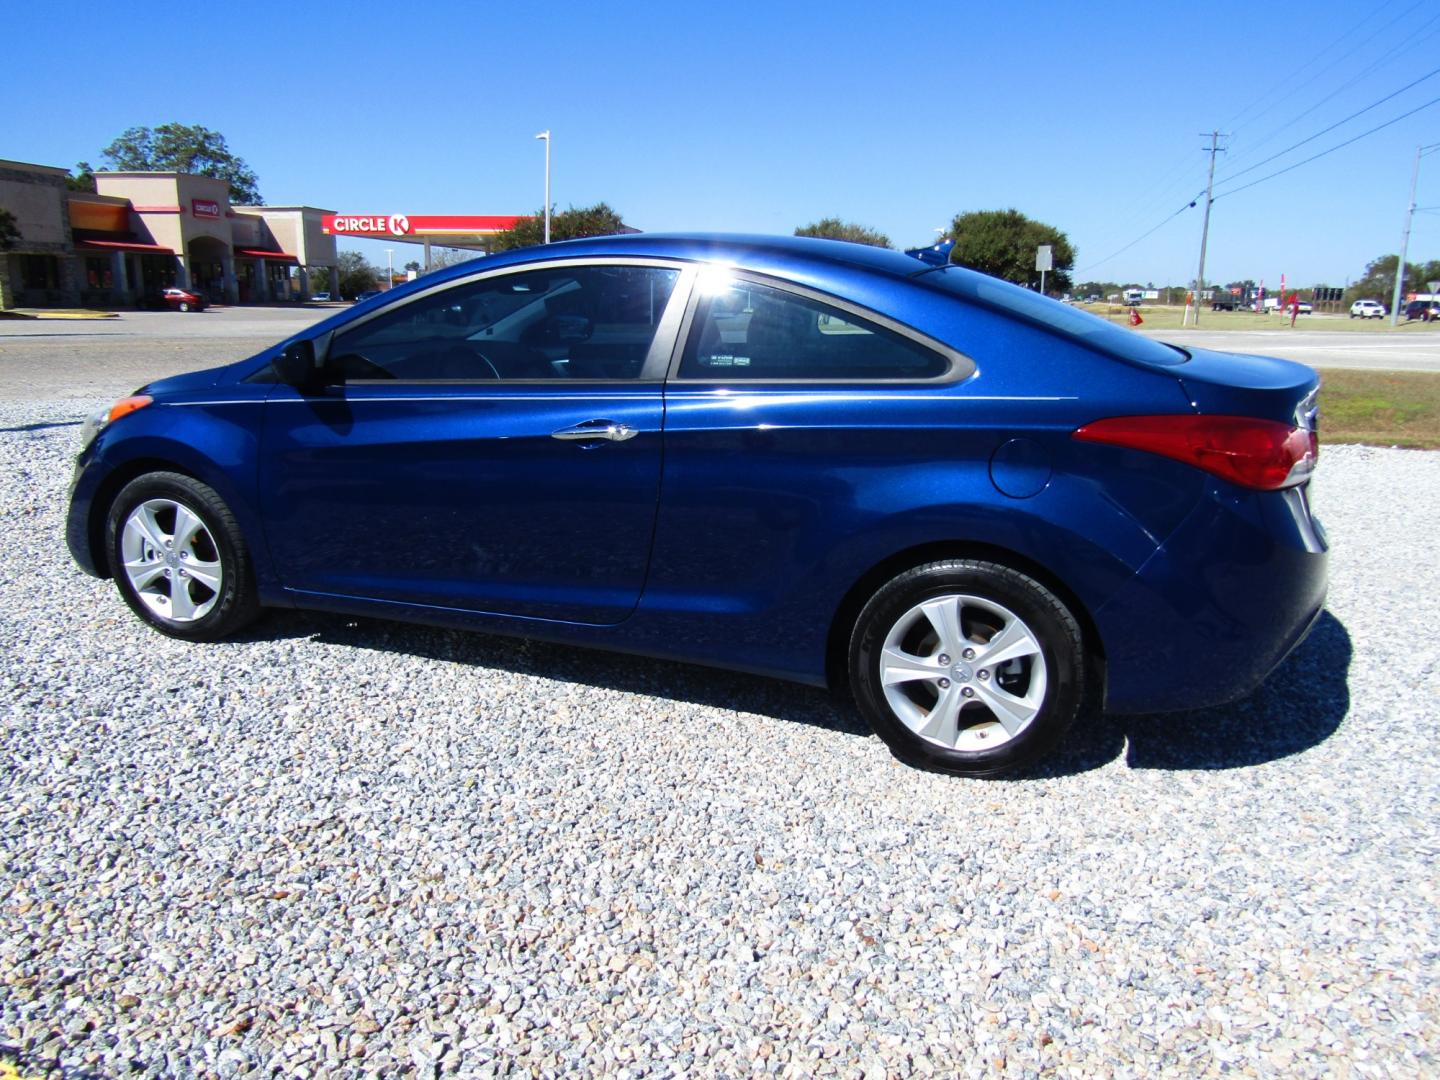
pixel 320 298
pixel 369 294
pixel 1424 310
pixel 1367 309
pixel 1304 307
pixel 183 300
pixel 1225 302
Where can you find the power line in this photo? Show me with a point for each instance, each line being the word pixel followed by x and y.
pixel 1407 45
pixel 1143 236
pixel 1326 131
pixel 1155 196
pixel 1323 153
pixel 1288 84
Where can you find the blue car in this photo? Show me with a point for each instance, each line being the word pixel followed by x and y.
pixel 983 512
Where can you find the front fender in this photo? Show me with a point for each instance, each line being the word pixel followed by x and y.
pixel 214 442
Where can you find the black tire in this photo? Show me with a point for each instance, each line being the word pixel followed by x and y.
pixel 219 612
pixel 184 305
pixel 1059 693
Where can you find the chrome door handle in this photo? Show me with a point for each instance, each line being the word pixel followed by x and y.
pixel 596 429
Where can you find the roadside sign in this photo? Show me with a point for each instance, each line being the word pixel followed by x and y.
pixel 1044 258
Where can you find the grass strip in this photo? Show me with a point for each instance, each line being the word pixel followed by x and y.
pixel 1380 408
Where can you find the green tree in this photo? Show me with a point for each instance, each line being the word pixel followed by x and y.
pixel 187 148
pixel 412 266
pixel 1378 281
pixel 1102 289
pixel 356 274
pixel 320 280
pixel 1002 243
pixel 834 229
pixel 81 178
pixel 571 224
pixel 9 231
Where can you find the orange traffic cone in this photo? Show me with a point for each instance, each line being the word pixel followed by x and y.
pixel 1135 319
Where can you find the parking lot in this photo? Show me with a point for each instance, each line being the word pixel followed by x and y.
pixel 350 847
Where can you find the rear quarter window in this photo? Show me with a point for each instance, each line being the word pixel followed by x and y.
pixel 744 330
pixel 1070 322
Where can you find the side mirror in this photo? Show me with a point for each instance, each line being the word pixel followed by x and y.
pixel 296 365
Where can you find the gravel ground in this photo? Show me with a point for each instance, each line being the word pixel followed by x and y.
pixel 342 847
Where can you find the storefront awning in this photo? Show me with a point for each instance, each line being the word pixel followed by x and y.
pixel 261 253
pixel 125 245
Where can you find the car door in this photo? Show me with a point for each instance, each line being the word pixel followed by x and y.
pixel 492 445
pixel 793 423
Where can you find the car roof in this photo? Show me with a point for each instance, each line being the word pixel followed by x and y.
pixel 797 257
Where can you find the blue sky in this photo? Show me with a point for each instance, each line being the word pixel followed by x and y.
pixel 760 117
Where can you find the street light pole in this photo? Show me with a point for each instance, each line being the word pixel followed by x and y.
pixel 546 136
pixel 389 268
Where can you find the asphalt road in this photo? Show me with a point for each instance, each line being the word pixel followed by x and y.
pixel 51 358
pixel 56 358
pixel 1419 351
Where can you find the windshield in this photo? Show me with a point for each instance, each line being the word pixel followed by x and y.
pixel 1062 318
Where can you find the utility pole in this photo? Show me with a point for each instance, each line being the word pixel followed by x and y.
pixel 1205 229
pixel 1405 242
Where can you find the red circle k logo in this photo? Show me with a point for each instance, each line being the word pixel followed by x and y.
pixel 398 224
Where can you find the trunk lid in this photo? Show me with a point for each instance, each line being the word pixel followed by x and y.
pixel 1229 384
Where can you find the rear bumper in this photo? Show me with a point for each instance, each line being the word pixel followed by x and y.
pixel 1218 606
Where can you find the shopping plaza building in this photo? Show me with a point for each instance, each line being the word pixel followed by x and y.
pixel 143 232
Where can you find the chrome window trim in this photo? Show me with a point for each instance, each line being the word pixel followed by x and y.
pixel 657 360
pixel 961 366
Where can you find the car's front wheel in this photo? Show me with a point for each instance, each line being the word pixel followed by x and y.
pixel 967 667
pixel 179 558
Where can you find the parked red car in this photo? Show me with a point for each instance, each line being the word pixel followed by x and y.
pixel 183 300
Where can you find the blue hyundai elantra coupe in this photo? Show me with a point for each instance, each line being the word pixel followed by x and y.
pixel 982 512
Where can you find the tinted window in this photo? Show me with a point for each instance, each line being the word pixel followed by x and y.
pixel 584 322
pixel 747 331
pixel 1062 318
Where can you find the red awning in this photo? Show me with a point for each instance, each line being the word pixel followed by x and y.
pixel 125 245
pixel 261 253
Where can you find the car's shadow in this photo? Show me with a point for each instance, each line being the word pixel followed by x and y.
pixel 674 681
pixel 1298 707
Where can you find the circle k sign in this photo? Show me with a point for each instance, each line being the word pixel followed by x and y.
pixel 395 224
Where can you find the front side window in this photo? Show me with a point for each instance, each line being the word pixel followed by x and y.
pixel 581 322
pixel 747 331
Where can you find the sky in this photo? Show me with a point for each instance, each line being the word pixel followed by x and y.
pixel 760 117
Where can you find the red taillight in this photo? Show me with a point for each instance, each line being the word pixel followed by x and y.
pixel 1261 454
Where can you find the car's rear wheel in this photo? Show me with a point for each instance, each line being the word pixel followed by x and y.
pixel 967 667
pixel 179 558
pixel 184 305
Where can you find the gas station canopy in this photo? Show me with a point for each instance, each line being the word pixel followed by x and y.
pixel 447 230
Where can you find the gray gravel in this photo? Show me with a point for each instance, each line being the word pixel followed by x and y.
pixel 343 847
